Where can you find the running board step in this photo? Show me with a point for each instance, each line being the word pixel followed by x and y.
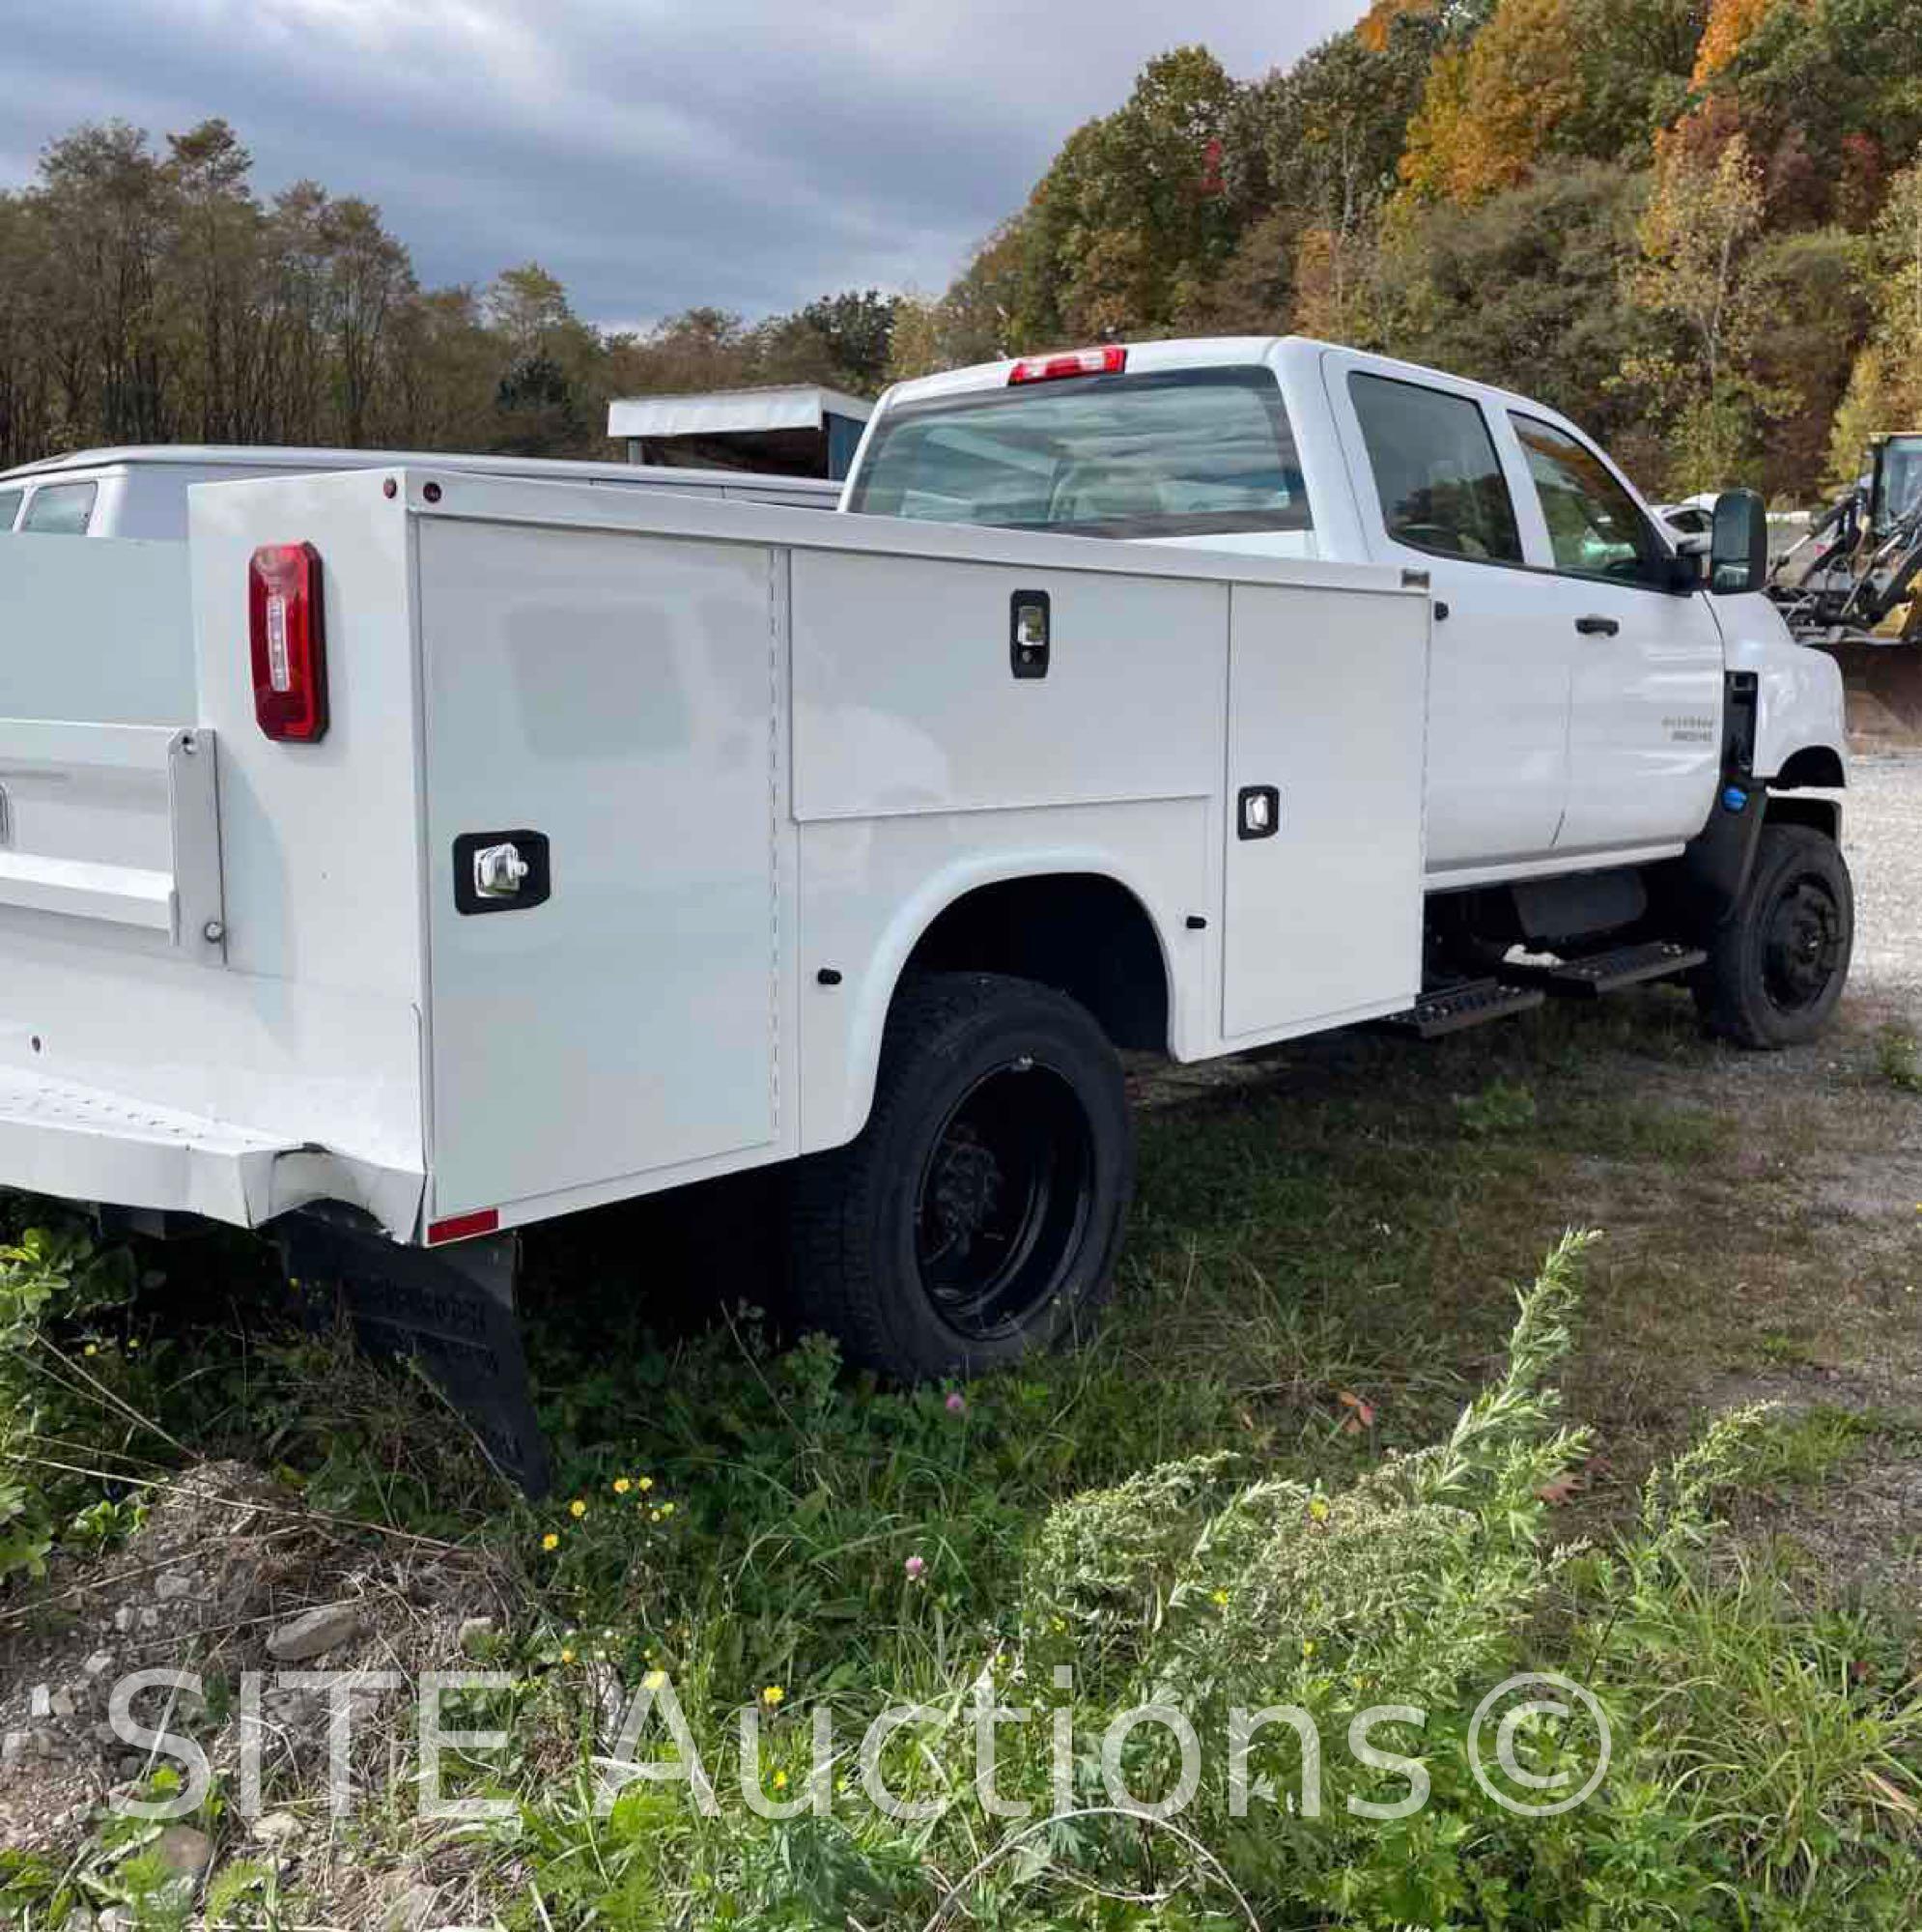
pixel 1452 1008
pixel 1599 973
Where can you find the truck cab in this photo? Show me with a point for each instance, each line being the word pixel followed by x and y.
pixel 1579 671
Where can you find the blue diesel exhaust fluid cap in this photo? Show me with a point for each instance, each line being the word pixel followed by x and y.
pixel 1735 799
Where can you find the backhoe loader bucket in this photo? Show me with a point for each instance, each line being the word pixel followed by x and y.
pixel 1884 683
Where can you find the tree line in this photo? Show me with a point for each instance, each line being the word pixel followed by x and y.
pixel 151 294
pixel 1695 225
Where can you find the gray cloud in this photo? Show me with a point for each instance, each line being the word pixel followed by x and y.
pixel 653 155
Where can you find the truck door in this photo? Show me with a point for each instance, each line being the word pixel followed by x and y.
pixel 1433 494
pixel 1645 713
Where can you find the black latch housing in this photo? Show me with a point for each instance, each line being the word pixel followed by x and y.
pixel 1029 625
pixel 535 885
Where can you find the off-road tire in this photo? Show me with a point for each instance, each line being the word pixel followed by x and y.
pixel 1777 964
pixel 861 1216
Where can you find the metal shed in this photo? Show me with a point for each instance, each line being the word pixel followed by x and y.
pixel 795 429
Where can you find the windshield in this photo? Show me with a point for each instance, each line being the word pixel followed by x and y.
pixel 1901 480
pixel 1185 453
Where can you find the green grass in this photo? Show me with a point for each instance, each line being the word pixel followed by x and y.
pixel 1318 1288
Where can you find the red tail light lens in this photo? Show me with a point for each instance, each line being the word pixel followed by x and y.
pixel 288 635
pixel 1111 360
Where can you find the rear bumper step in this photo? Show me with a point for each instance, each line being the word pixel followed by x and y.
pixel 1599 973
pixel 82 1143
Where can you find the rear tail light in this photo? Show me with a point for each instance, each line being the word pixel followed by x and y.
pixel 1111 360
pixel 288 635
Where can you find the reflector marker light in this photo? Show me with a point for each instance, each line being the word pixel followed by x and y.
pixel 462 1226
pixel 287 641
pixel 1110 360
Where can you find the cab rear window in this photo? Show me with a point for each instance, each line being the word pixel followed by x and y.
pixel 1186 452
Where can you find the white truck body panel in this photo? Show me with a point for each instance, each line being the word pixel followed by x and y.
pixel 761 743
pixel 60 599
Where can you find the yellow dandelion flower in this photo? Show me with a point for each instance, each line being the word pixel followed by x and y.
pixel 549 1541
pixel 654 1680
pixel 773 1695
pixel 622 1486
pixel 645 1484
pixel 134 1343
pixel 1221 1600
pixel 667 1509
pixel 577 1509
pixel 1318 1508
pixel 567 1656
pixel 89 1349
pixel 780 1781
pixel 1308 1647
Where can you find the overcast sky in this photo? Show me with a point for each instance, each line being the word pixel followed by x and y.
pixel 654 153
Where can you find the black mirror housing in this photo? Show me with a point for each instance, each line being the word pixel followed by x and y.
pixel 1738 548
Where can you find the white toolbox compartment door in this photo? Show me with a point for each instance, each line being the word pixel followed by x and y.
pixel 1327 692
pixel 617 692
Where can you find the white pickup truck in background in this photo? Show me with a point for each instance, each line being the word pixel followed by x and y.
pixel 141 491
pixel 499 847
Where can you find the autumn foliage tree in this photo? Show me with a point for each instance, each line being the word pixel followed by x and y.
pixel 1492 104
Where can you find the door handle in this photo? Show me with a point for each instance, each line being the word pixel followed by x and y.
pixel 1597 627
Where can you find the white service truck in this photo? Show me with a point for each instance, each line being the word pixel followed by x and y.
pixel 461 850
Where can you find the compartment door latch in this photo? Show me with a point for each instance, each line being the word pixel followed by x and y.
pixel 500 872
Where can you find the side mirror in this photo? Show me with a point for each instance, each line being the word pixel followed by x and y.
pixel 1738 548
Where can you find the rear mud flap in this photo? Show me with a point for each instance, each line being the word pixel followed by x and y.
pixel 449 1309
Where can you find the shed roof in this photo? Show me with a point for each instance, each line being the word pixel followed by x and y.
pixel 733 411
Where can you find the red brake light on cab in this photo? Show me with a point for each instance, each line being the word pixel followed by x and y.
pixel 1109 360
pixel 288 635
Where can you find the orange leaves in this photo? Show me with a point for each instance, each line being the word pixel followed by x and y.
pixel 1380 20
pixel 1487 105
pixel 1729 23
pixel 1360 1416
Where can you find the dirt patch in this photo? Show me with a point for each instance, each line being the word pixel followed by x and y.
pixel 225 1566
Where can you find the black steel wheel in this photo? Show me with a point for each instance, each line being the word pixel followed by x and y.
pixel 1778 964
pixel 978 1214
pixel 1004 1198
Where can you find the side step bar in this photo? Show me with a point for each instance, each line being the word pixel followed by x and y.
pixel 1470 1003
pixel 1590 977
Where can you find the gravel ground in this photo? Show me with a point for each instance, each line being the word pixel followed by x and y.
pixel 1881 836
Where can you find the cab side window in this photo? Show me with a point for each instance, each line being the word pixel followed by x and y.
pixel 1593 526
pixel 61 509
pixel 10 508
pixel 1435 470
